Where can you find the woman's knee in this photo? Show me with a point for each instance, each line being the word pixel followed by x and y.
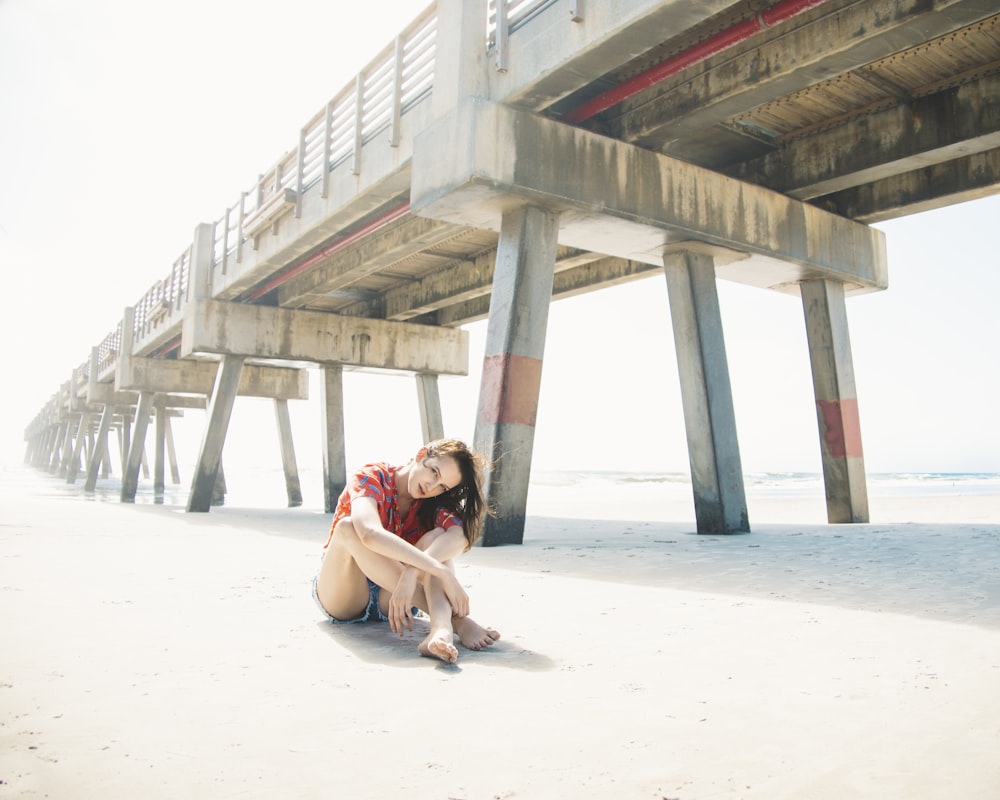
pixel 344 533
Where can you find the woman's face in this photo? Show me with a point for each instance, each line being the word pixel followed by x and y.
pixel 433 475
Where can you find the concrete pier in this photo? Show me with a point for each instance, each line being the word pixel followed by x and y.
pixel 713 450
pixel 836 401
pixel 220 409
pixel 332 435
pixel 512 365
pixel 287 446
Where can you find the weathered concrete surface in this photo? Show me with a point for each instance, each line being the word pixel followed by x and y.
pixel 925 131
pixel 922 189
pixel 348 262
pixel 836 401
pixel 429 404
pixel 198 377
pixel 266 332
pixel 332 439
pixel 382 184
pixel 615 198
pixel 220 410
pixel 780 62
pixel 555 56
pixel 720 503
pixel 512 366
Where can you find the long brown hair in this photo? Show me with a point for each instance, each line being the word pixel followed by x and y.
pixel 466 500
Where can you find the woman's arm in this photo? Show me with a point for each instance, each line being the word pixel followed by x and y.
pixel 368 526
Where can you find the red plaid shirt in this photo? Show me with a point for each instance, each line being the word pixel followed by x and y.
pixel 378 481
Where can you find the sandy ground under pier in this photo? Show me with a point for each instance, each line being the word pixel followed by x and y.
pixel 145 652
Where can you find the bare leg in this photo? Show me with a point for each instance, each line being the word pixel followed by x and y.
pixel 471 634
pixel 342 586
pixel 343 591
pixel 439 642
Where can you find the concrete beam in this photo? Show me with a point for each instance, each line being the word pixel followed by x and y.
pixel 460 281
pixel 624 201
pixel 356 259
pixel 928 130
pixel 555 56
pixel 198 377
pixel 105 394
pixel 267 332
pixel 939 185
pixel 777 63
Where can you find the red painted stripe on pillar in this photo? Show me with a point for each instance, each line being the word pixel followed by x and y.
pixel 841 427
pixel 509 391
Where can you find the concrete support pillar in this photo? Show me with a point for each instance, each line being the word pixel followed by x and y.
pixel 175 475
pixel 706 395
pixel 81 438
pixel 287 446
pixel 59 447
pixel 49 451
pixel 429 400
pixel 99 454
pixel 68 448
pixel 219 489
pixel 159 453
pixel 220 410
pixel 512 365
pixel 123 433
pixel 836 401
pixel 331 400
pixel 137 447
pixel 38 453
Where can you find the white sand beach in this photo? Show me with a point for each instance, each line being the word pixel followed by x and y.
pixel 150 653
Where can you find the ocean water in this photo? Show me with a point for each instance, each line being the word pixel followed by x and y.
pixel 587 494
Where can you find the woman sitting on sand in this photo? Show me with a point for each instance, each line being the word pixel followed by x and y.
pixel 394 535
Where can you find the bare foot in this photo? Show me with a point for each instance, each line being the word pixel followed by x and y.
pixel 439 645
pixel 473 635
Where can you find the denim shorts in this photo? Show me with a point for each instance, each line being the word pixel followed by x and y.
pixel 372 612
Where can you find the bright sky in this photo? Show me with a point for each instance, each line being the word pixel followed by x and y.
pixel 123 125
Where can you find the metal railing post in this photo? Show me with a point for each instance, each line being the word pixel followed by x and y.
pixel 239 238
pixel 225 242
pixel 397 92
pixel 327 145
pixel 359 108
pixel 502 34
pixel 300 182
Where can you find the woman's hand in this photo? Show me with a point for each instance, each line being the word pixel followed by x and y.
pixel 457 596
pixel 401 602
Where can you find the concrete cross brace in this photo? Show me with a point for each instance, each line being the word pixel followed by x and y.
pixel 198 377
pixel 268 332
pixel 484 159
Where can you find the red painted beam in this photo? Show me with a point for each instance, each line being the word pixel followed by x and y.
pixel 711 46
